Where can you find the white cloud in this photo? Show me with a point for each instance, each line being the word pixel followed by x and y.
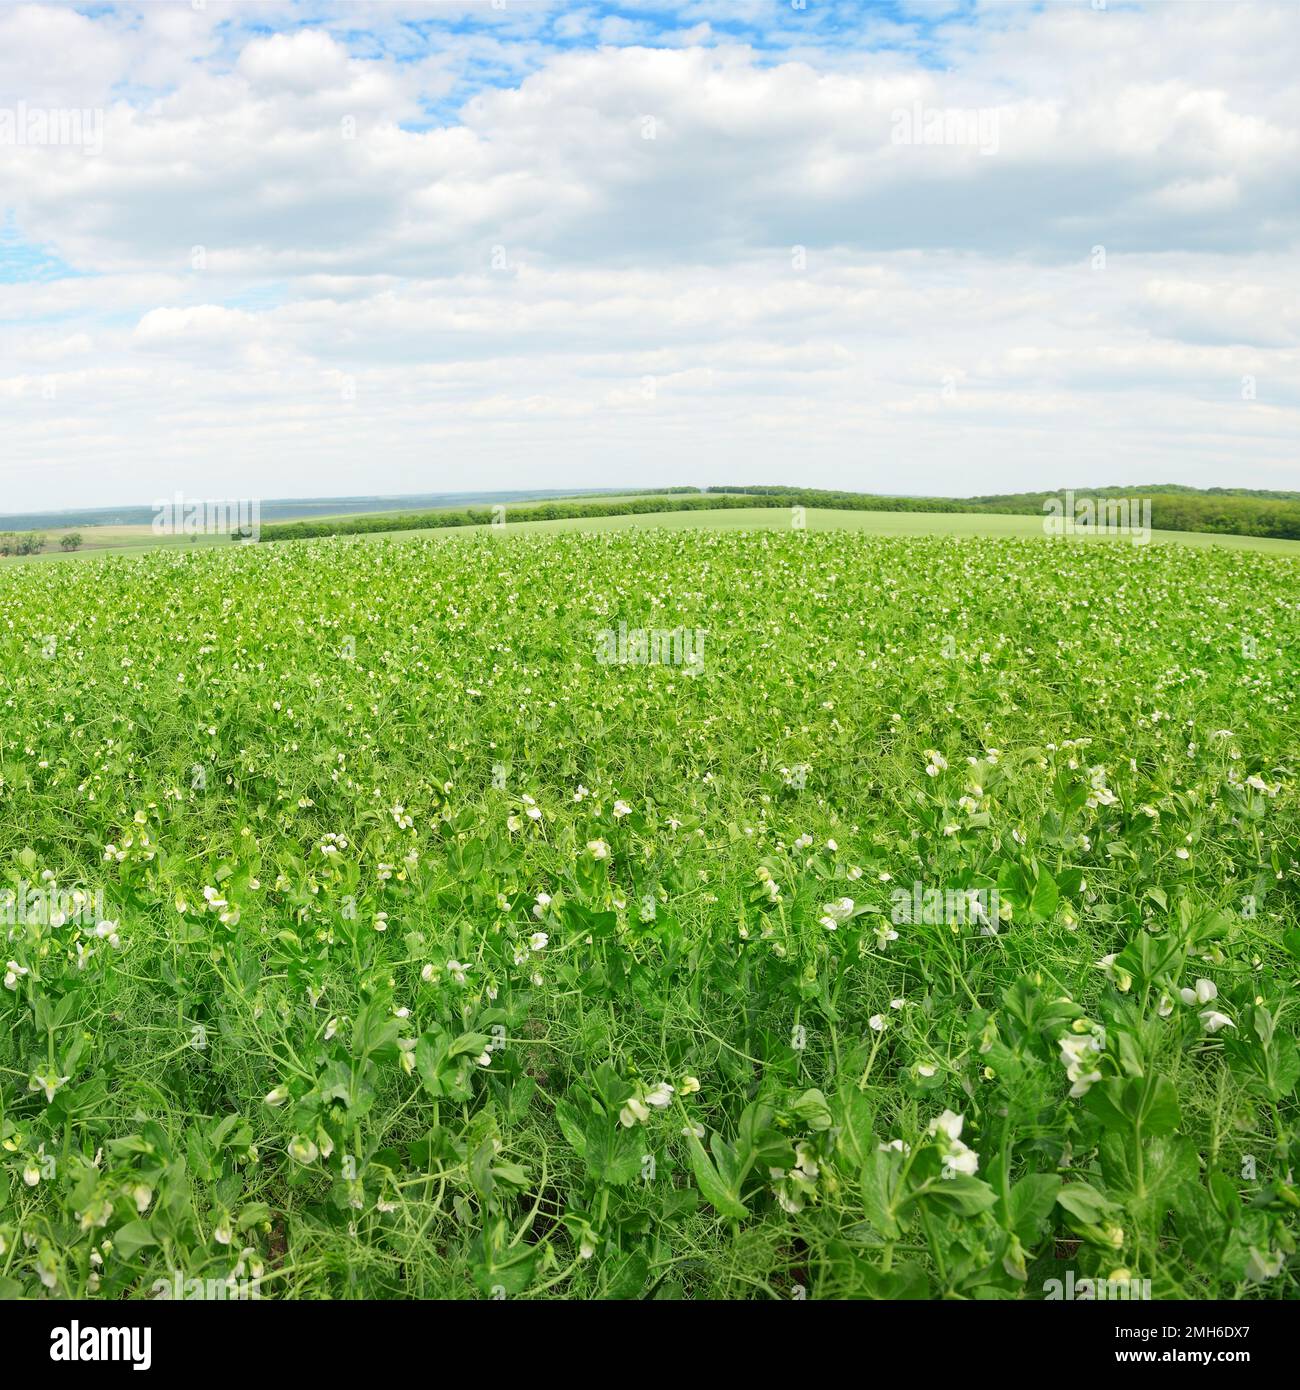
pixel 294 256
pixel 302 63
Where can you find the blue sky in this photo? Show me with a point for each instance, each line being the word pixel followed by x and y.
pixel 22 261
pixel 908 246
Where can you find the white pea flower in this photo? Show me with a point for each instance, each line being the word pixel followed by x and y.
pixel 960 1159
pixel 1260 1266
pixel 1078 1052
pixel 48 1081
pixel 634 1112
pixel 302 1150
pixel 1117 975
pixel 948 1124
pixel 957 1157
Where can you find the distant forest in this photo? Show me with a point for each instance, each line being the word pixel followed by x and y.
pixel 1221 511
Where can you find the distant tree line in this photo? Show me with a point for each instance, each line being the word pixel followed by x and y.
pixel 33 542
pixel 21 542
pixel 484 516
pixel 1173 508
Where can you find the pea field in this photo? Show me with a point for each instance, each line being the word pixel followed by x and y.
pixel 652 914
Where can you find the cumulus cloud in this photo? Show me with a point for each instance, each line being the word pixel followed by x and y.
pixel 937 249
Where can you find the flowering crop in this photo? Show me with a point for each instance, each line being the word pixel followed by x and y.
pixel 370 932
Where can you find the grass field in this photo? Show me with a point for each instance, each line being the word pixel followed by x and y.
pixel 138 540
pixel 955 524
pixel 382 921
pixel 112 540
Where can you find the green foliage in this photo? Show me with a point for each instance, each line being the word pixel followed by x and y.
pixel 370 937
pixel 1172 509
pixel 21 542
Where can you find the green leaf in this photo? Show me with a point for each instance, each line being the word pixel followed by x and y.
pixel 569 1119
pixel 515 1174
pixel 881 1197
pixel 1148 1104
pixel 711 1185
pixel 444 1077
pixel 1283 1067
pixel 1168 1165
pixel 906 1282
pixel 1202 1226
pixel 1046 896
pixel 1085 1203
pixel 500 1268
pixel 480 1168
pixel 812 1109
pixel 612 1153
pixel 375 1028
pixel 1224 1193
pixel 968 1196
pixel 856 1116
pixel 251 1215
pixel 1030 1205
pixel 611 1087
pixel 132 1238
pixel 468 1043
pixel 628 1279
